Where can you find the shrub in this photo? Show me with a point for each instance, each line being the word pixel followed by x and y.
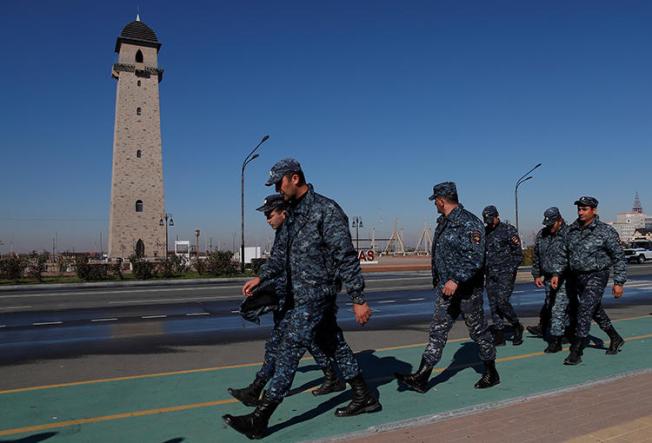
pixel 91 272
pixel 142 269
pixel 221 263
pixel 200 266
pixel 12 267
pixel 256 263
pixel 116 269
pixel 37 265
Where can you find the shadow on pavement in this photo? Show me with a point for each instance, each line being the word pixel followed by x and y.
pixel 32 438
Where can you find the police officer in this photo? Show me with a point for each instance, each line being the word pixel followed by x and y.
pixel 314 246
pixel 593 248
pixel 457 265
pixel 274 208
pixel 549 270
pixel 503 257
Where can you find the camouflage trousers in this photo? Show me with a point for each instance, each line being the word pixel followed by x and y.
pixel 307 323
pixel 272 345
pixel 499 288
pixel 585 292
pixel 557 305
pixel 447 309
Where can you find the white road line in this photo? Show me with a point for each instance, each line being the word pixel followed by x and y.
pixel 14 307
pixel 145 317
pixel 154 300
pixel 47 323
pixel 104 319
pixel 518 292
pixel 416 299
pixel 235 312
pixel 3 326
pixel 190 314
pixel 387 301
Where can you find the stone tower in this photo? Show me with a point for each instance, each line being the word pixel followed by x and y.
pixel 137 204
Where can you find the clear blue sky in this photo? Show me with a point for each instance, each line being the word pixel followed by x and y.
pixel 378 100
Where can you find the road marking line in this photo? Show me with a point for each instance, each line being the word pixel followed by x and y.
pixel 156 300
pixel 416 299
pixel 104 319
pixel 3 326
pixel 387 301
pixel 147 317
pixel 244 365
pixel 198 313
pixel 147 412
pixel 14 307
pixel 47 323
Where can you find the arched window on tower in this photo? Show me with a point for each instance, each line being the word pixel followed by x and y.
pixel 138 82
pixel 139 206
pixel 139 56
pixel 139 153
pixel 140 248
pixel 137 111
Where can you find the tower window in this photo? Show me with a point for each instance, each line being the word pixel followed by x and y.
pixel 139 153
pixel 138 82
pixel 139 56
pixel 139 206
pixel 137 111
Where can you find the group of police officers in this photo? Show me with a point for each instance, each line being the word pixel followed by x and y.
pixel 313 257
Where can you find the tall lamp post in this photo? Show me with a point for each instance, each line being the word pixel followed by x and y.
pixel 166 221
pixel 521 180
pixel 357 223
pixel 248 159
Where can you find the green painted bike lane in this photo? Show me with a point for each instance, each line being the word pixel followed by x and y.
pixel 187 407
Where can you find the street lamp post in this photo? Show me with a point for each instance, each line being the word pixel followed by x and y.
pixel 166 221
pixel 197 243
pixel 520 181
pixel 249 158
pixel 357 223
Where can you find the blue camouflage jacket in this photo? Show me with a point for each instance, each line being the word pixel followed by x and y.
pixel 503 249
pixel 458 248
pixel 595 247
pixel 550 255
pixel 313 248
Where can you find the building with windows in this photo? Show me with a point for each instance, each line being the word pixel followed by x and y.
pixel 628 223
pixel 137 204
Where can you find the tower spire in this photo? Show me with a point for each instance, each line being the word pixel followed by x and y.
pixel 638 209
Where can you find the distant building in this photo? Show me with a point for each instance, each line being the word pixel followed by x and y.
pixel 628 223
pixel 137 205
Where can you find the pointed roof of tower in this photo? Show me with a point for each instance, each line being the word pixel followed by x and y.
pixel 137 33
pixel 637 208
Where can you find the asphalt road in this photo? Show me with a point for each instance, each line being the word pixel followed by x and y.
pixel 63 335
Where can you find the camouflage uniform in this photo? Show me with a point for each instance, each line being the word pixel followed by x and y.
pixel 592 250
pixel 458 255
pixel 503 257
pixel 550 260
pixel 314 235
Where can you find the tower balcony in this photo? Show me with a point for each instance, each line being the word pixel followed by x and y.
pixel 145 72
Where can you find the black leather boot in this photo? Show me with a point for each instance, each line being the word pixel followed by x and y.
pixel 499 337
pixel 253 425
pixel 576 351
pixel 554 345
pixel 616 343
pixel 250 395
pixel 517 339
pixel 362 400
pixel 332 383
pixel 537 330
pixel 490 377
pixel 417 381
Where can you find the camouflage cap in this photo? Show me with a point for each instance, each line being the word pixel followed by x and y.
pixel 550 216
pixel 282 168
pixel 587 201
pixel 271 202
pixel 488 213
pixel 444 189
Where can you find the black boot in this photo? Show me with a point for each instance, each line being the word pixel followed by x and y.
pixel 253 425
pixel 499 337
pixel 617 341
pixel 490 377
pixel 362 400
pixel 554 345
pixel 419 380
pixel 576 351
pixel 537 330
pixel 517 339
pixel 250 395
pixel 332 383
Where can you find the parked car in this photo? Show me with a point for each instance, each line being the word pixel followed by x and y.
pixel 639 251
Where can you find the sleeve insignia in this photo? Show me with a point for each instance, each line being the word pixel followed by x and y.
pixel 516 240
pixel 475 237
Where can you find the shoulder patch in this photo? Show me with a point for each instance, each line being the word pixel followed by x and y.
pixel 475 237
pixel 516 240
